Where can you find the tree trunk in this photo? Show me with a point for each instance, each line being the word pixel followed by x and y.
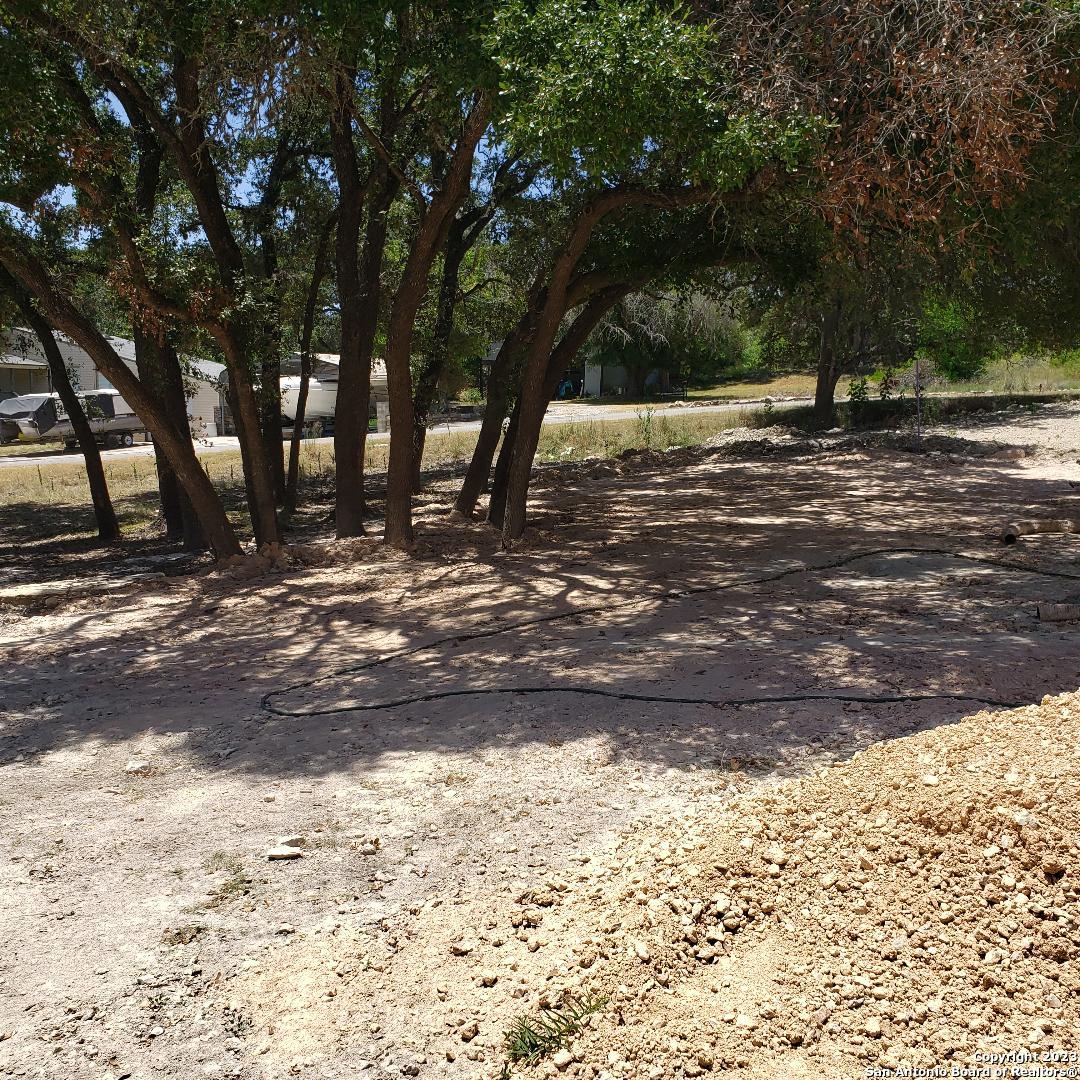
pixel 427 382
pixel 533 397
pixel 258 477
pixel 158 367
pixel 430 239
pixel 158 364
pixel 496 512
pixel 176 446
pixel 311 301
pixel 499 385
pixel 107 525
pixel 359 285
pixel 398 527
pixel 190 147
pixel 269 403
pixel 530 422
pixel 464 233
pixel 176 405
pixel 286 150
pixel 828 372
pixel 292 478
pixel 825 393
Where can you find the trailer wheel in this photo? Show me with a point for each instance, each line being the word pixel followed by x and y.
pixel 127 439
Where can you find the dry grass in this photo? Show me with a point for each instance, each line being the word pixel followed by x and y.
pixel 780 386
pixel 1026 375
pixel 133 480
pixel 647 429
pixel 777 386
pixel 24 449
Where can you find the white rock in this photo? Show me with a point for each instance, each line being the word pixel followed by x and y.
pixel 138 767
pixel 562 1060
pixel 775 854
pixel 284 852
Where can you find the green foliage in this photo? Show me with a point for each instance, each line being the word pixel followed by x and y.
pixel 37 121
pixel 858 396
pixel 529 1039
pixel 601 86
pixel 952 335
pixel 693 338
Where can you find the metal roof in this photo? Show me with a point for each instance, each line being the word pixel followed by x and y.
pixel 11 360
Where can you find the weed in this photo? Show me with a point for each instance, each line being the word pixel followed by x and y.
pixel 645 428
pixel 454 779
pixel 237 884
pixel 232 888
pixel 327 833
pixel 236 1023
pixel 858 396
pixel 182 935
pixel 220 860
pixel 529 1039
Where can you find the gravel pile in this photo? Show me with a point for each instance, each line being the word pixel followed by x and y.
pixel 914 907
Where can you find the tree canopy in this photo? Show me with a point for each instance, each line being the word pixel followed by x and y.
pixel 425 178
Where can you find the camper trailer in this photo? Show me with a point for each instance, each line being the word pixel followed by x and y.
pixel 41 417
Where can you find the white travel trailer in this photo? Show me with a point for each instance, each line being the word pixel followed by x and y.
pixel 323 387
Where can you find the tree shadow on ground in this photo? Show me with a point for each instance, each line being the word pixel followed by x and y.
pixel 197 663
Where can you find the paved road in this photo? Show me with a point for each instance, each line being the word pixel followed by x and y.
pixel 556 414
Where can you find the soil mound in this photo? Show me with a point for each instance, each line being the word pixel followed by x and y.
pixel 914 907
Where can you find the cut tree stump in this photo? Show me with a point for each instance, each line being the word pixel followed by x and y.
pixel 1011 533
pixel 1059 612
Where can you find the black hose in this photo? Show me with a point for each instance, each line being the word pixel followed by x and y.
pixel 478 635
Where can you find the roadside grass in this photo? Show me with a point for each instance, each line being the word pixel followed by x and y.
pixel 648 429
pixel 133 481
pixel 779 385
pixel 1016 374
pixel 758 385
pixel 37 449
pixel 51 500
pixel 1026 375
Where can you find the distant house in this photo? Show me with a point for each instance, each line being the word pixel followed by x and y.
pixel 24 370
pixel 602 380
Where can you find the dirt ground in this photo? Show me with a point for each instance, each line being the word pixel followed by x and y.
pixel 446 865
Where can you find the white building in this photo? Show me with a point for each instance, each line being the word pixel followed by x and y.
pixel 24 370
